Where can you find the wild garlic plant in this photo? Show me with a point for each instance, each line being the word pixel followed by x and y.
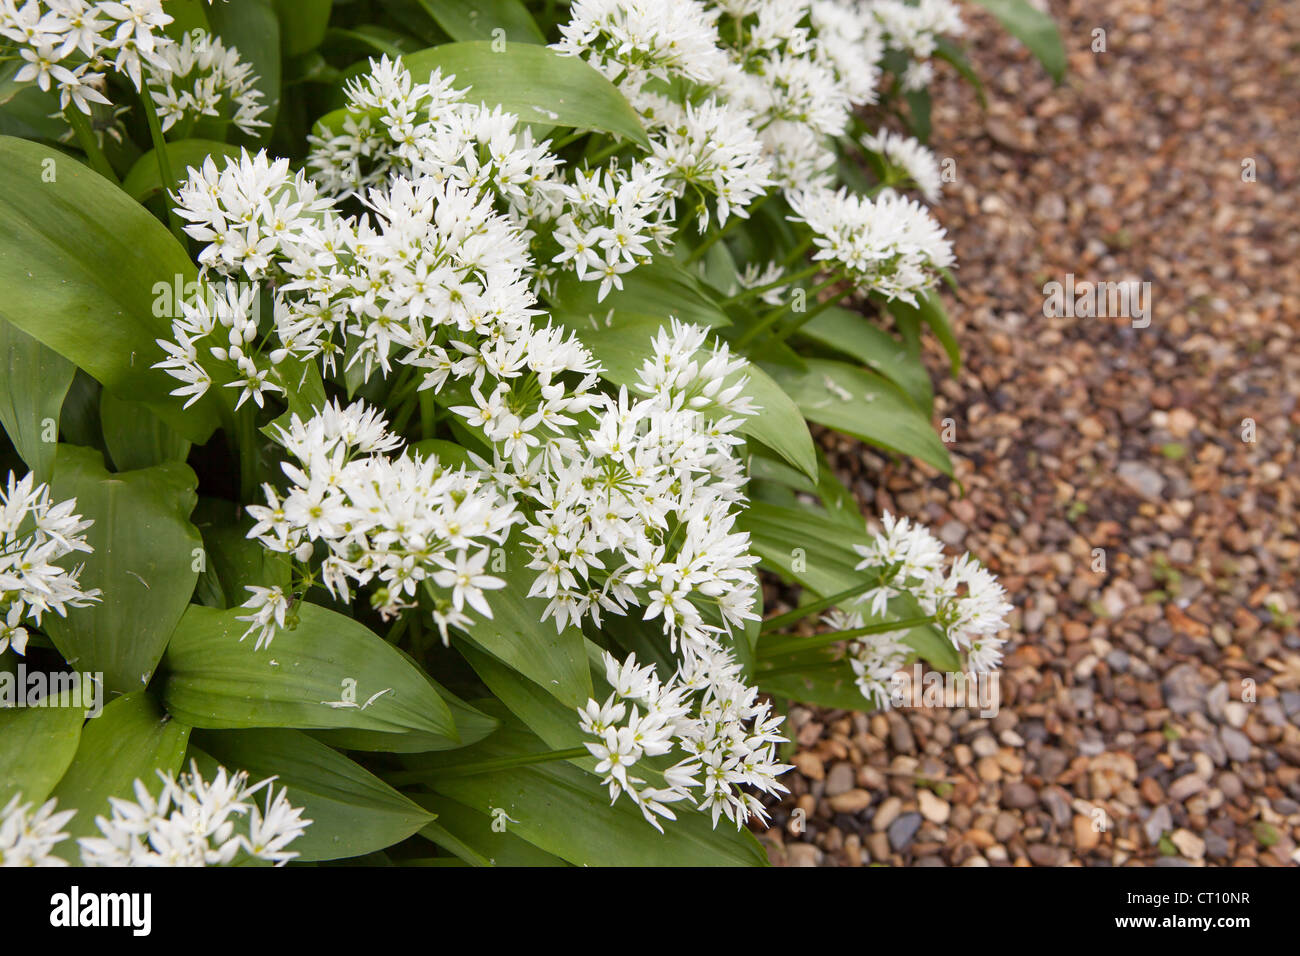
pixel 451 442
pixel 180 821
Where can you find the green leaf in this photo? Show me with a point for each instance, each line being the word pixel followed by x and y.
pixel 131 740
pixel 37 745
pixel 79 260
pixel 565 812
pixel 534 82
pixel 352 811
pixel 302 24
pixel 1035 29
pixel 929 309
pixel 35 382
pixel 472 725
pixel 866 406
pixel 918 106
pixel 657 290
pixel 143 563
pixel 137 438
pixel 857 337
pixel 468 834
pixel 823 678
pixel 215 681
pixel 800 545
pixel 478 20
pixel 144 180
pixel 540 712
pixel 516 635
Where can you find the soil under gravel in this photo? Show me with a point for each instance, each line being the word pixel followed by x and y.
pixel 1164 689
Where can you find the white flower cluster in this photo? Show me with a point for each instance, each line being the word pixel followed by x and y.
pixel 34 534
pixel 639 511
pixel 28 838
pixel 601 223
pixel 966 601
pixel 193 822
pixel 72 44
pixel 911 158
pixel 706 714
pixel 614 219
pixel 197 77
pixel 707 147
pixel 407 522
pixel 889 244
pixel 434 278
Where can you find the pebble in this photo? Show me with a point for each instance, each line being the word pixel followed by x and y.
pixel 902 830
pixel 932 808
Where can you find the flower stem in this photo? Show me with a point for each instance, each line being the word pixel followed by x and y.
pixel 89 145
pixel 796 644
pixel 767 321
pixel 783 333
pixel 774 284
pixel 164 163
pixel 485 766
pixel 788 618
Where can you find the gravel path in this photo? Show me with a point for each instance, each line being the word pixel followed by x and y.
pixel 1159 696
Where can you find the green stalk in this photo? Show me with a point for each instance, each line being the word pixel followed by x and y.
pixel 783 333
pixel 164 163
pixel 796 644
pixel 89 145
pixel 476 767
pixel 767 321
pixel 744 294
pixel 788 618
pixel 726 230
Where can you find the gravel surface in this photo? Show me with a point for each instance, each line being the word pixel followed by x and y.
pixel 1158 696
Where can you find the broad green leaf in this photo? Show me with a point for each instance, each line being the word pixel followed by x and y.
pixel 657 290
pixel 929 309
pixel 554 722
pixel 534 82
pixel 565 811
pixel 36 746
pixel 1035 29
pixel 131 740
pixel 800 545
pixel 144 563
pixel 866 406
pixel 79 261
pixel 479 20
pixel 352 811
pixel 472 725
pixel 857 337
pixel 144 179
pixel 821 677
pixel 468 834
pixel 328 672
pixel 516 635
pixel 302 24
pixel 35 382
pixel 136 437
pixel 624 345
